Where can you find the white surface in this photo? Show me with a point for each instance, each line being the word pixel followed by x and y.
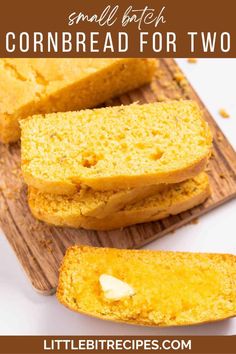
pixel 25 312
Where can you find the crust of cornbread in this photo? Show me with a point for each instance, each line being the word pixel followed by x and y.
pixel 115 148
pixel 39 86
pixel 204 276
pixel 172 200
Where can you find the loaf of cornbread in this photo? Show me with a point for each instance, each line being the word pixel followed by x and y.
pixel 70 210
pixel 38 86
pixel 115 148
pixel 150 288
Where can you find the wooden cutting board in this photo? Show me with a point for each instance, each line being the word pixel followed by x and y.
pixel 40 247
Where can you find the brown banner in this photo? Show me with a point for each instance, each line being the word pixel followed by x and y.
pixel 107 28
pixel 108 344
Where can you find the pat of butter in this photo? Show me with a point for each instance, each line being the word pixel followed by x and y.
pixel 115 289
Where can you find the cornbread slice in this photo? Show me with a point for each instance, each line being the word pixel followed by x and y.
pixel 115 148
pixel 69 210
pixel 100 204
pixel 35 86
pixel 166 288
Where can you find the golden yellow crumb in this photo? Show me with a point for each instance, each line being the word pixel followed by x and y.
pixel 192 60
pixel 223 113
pixel 194 221
pixel 222 176
pixel 219 137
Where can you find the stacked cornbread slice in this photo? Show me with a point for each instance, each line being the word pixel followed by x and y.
pixel 112 167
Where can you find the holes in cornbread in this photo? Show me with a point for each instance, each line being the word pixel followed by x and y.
pixel 156 155
pixel 90 159
pixel 156 152
pixel 88 163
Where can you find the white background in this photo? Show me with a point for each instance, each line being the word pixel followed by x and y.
pixel 23 311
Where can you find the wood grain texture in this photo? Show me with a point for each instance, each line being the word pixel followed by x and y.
pixel 40 247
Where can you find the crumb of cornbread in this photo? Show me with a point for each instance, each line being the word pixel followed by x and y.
pixel 192 60
pixel 223 113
